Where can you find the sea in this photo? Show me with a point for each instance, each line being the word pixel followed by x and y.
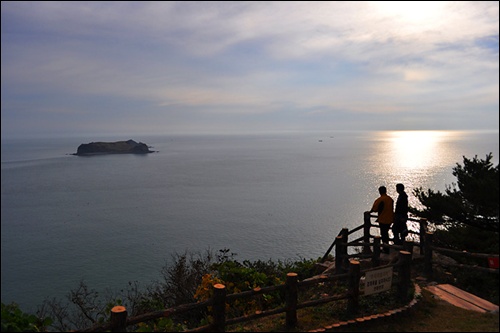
pixel 109 220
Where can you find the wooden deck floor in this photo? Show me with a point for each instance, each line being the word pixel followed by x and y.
pixel 461 298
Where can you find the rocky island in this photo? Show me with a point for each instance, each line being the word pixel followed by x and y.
pixel 119 147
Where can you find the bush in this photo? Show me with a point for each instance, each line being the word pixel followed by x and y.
pixel 14 320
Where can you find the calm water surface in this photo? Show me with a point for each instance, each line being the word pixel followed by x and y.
pixel 111 219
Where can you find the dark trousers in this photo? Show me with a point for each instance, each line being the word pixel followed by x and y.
pixel 384 234
pixel 400 229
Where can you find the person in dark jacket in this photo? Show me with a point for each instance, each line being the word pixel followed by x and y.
pixel 399 228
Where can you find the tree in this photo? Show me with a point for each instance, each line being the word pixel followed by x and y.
pixel 475 202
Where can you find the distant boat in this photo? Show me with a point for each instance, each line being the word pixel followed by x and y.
pixel 320 140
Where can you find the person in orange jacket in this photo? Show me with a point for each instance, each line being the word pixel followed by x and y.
pixel 384 206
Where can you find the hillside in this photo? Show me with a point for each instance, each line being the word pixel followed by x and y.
pixel 429 315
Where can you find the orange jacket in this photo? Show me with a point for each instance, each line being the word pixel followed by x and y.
pixel 384 206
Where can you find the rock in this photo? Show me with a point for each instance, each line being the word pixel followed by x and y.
pixel 119 147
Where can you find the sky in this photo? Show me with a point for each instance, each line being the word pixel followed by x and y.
pixel 120 68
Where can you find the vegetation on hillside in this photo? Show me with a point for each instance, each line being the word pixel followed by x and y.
pixel 188 279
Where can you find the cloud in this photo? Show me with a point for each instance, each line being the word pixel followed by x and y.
pixel 237 59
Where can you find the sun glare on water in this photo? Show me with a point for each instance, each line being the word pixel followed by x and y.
pixel 415 158
pixel 416 149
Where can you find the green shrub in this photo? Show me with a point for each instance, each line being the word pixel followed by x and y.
pixel 14 320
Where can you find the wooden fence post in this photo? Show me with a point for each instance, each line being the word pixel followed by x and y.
pixel 376 251
pixel 291 300
pixel 408 246
pixel 345 238
pixel 423 230
pixel 118 319
pixel 428 255
pixel 219 308
pixel 366 231
pixel 354 276
pixel 404 275
pixel 339 269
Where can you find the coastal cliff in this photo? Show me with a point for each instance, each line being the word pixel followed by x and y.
pixel 119 147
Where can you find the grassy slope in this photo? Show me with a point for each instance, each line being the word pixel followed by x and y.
pixel 429 315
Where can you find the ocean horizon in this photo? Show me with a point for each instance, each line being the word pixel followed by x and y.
pixel 110 219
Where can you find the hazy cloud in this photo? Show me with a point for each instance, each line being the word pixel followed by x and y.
pixel 230 66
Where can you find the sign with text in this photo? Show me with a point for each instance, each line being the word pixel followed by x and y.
pixel 378 280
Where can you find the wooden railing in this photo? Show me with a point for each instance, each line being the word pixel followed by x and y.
pixel 367 236
pixel 429 262
pixel 425 243
pixel 347 268
pixel 119 320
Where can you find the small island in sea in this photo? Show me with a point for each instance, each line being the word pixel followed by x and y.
pixel 119 147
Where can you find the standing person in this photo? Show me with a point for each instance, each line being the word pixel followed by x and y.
pixel 384 206
pixel 399 228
